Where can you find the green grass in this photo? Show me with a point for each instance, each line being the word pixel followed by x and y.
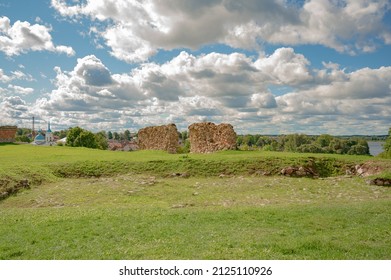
pixel 142 217
pixel 78 162
pixel 91 204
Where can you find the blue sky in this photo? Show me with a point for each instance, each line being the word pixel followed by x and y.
pixel 268 67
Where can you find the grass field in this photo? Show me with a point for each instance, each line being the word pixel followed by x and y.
pixel 90 204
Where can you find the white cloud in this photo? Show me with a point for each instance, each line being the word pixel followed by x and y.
pixel 15 75
pixel 263 100
pixel 221 87
pixel 285 67
pixel 349 26
pixel 4 78
pixel 20 90
pixel 22 37
pixel 13 110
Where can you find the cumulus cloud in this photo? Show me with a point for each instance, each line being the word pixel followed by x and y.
pixel 345 26
pixel 219 87
pixel 285 67
pixel 4 78
pixel 14 75
pixel 13 109
pixel 20 90
pixel 263 100
pixel 22 37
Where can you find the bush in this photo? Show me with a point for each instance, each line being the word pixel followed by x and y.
pixel 358 150
pixel 310 148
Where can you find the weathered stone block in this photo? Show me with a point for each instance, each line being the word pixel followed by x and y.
pixel 208 137
pixel 164 137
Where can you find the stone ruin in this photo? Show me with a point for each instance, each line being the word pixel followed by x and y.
pixel 164 137
pixel 208 137
pixel 7 133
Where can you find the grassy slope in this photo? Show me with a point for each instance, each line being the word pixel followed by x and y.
pixel 18 161
pixel 142 214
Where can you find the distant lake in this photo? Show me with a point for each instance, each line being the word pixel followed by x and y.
pixel 375 148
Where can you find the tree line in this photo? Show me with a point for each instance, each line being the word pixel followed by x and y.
pixel 303 143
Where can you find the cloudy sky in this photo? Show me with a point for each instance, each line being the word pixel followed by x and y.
pixel 268 67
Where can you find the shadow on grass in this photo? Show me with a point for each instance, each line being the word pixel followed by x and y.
pixel 9 144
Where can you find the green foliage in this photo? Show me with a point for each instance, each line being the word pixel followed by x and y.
pixel 184 148
pixel 61 134
pixel 387 146
pixel 292 143
pixel 101 140
pixel 302 143
pixel 183 135
pixel 310 148
pixel 249 140
pixel 110 135
pixel 23 138
pixel 324 140
pixel 127 135
pixel 73 134
pixel 86 139
pixel 78 137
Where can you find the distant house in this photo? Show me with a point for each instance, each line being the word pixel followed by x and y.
pixel 7 133
pixel 62 141
pixel 125 145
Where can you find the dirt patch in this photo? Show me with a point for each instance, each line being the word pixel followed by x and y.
pixel 8 187
pixel 372 168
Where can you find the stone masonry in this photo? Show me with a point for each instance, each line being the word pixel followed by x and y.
pixel 7 134
pixel 208 137
pixel 163 137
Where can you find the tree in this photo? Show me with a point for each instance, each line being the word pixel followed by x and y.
pixel 387 146
pixel 116 136
pixel 127 135
pixel 239 140
pixel 72 135
pixel 110 135
pixel 101 140
pixel 184 135
pixel 358 150
pixel 61 134
pixel 293 141
pixel 78 137
pixel 324 140
pixel 86 139
pixel 249 140
pixel 310 148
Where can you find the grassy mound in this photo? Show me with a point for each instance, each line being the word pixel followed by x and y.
pixel 44 164
pixel 91 204
pixel 35 165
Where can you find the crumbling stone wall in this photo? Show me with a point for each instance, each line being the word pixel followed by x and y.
pixel 164 137
pixel 7 134
pixel 208 137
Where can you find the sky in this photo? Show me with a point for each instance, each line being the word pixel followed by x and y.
pixel 266 67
